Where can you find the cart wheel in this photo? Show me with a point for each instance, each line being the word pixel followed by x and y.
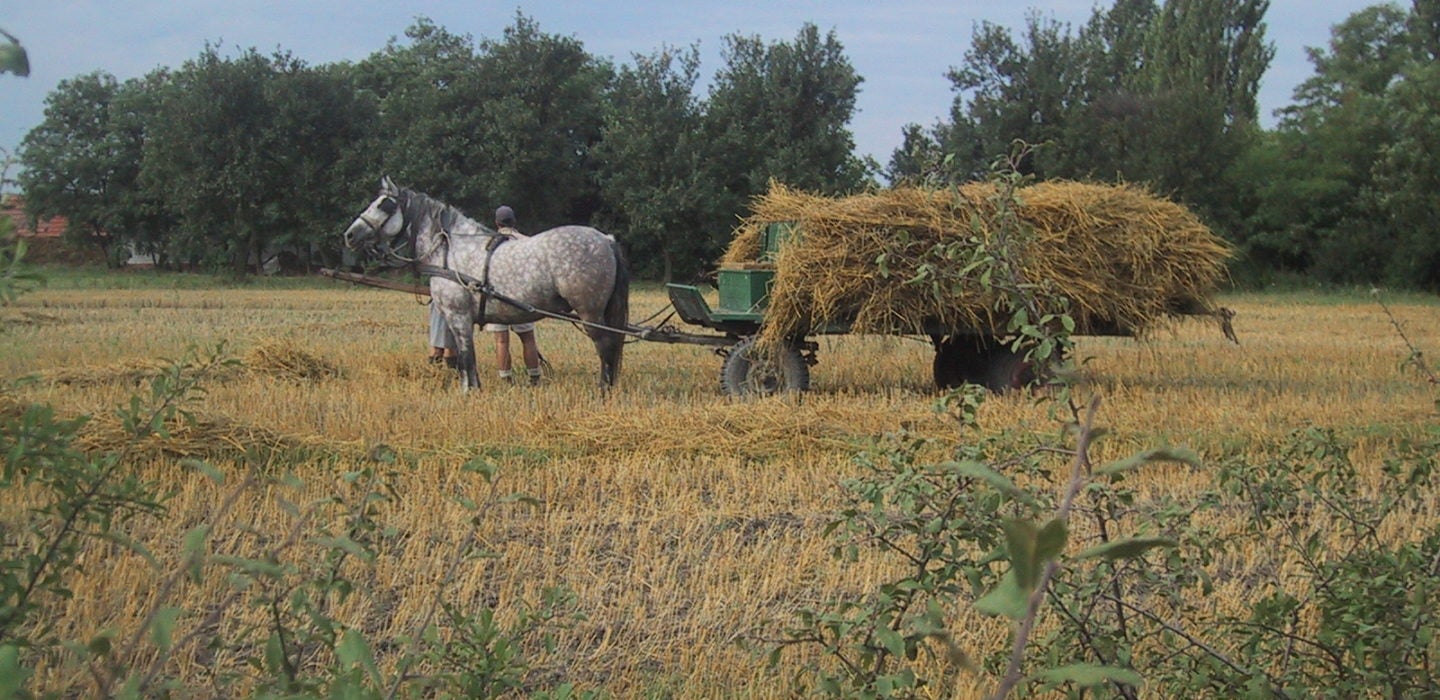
pixel 1007 370
pixel 958 360
pixel 982 360
pixel 748 372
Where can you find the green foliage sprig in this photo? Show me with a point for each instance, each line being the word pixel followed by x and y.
pixel 13 58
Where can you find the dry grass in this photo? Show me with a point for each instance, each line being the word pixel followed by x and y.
pixel 680 518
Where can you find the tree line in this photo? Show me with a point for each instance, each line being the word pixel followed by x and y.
pixel 228 158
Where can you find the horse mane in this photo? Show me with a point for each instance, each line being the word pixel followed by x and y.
pixel 417 205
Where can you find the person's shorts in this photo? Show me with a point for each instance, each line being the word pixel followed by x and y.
pixel 517 328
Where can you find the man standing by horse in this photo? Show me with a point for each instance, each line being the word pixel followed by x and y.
pixel 572 272
pixel 529 349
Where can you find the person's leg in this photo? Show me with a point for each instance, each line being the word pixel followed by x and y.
pixel 530 350
pixel 442 342
pixel 502 353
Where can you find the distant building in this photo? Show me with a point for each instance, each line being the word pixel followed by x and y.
pixel 12 207
pixel 45 242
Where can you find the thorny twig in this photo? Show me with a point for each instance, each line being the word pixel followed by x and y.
pixel 1417 358
pixel 1080 466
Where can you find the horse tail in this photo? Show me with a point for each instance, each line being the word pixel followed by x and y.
pixel 617 309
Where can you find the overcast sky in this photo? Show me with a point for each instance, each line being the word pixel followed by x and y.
pixel 901 48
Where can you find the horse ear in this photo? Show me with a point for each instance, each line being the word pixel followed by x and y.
pixel 388 185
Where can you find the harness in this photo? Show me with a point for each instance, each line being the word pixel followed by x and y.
pixel 472 284
pixel 481 286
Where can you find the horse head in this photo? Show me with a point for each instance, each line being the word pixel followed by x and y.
pixel 377 228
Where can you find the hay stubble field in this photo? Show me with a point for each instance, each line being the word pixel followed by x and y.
pixel 681 520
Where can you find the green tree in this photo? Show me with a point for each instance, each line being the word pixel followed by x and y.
pixel 431 106
pixel 243 149
pixel 1160 94
pixel 1011 90
pixel 81 162
pixel 1407 177
pixel 509 121
pixel 541 116
pixel 1106 129
pixel 1203 64
pixel 648 162
pixel 781 111
pixel 318 119
pixel 1316 209
pixel 209 153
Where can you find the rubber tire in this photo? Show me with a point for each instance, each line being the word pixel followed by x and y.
pixel 743 374
pixel 1008 370
pixel 958 360
pixel 982 360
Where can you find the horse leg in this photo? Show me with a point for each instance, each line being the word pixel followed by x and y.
pixel 465 354
pixel 609 345
pixel 616 314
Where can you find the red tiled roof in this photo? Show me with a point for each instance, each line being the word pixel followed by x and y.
pixel 13 207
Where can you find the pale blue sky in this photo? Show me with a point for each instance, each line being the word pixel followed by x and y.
pixel 902 48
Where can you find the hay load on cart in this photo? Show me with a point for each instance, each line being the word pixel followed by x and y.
pixel 900 261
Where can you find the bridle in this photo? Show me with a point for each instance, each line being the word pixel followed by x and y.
pixel 389 206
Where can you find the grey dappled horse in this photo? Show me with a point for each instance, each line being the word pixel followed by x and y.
pixel 565 269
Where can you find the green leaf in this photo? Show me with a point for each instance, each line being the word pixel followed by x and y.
pixel 1161 454
pixel 1050 541
pixel 1126 549
pixel 206 468
pixel 130 690
pixel 347 545
pixel 353 651
pixel 481 466
pixel 162 628
pixel 527 499
pixel 254 567
pixel 12 673
pixel 194 540
pixel 1006 599
pixel 995 479
pixel 891 640
pixel 288 507
pixel 100 645
pixel 192 549
pixel 1020 541
pixel 1090 675
pixel 133 545
pixel 274 654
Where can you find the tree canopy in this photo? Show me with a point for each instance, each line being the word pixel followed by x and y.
pixel 232 158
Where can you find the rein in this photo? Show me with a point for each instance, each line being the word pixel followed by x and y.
pixel 481 287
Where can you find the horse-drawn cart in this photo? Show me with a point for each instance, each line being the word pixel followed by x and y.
pixel 963 356
pixel 803 265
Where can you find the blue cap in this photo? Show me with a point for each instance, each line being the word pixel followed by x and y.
pixel 504 216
